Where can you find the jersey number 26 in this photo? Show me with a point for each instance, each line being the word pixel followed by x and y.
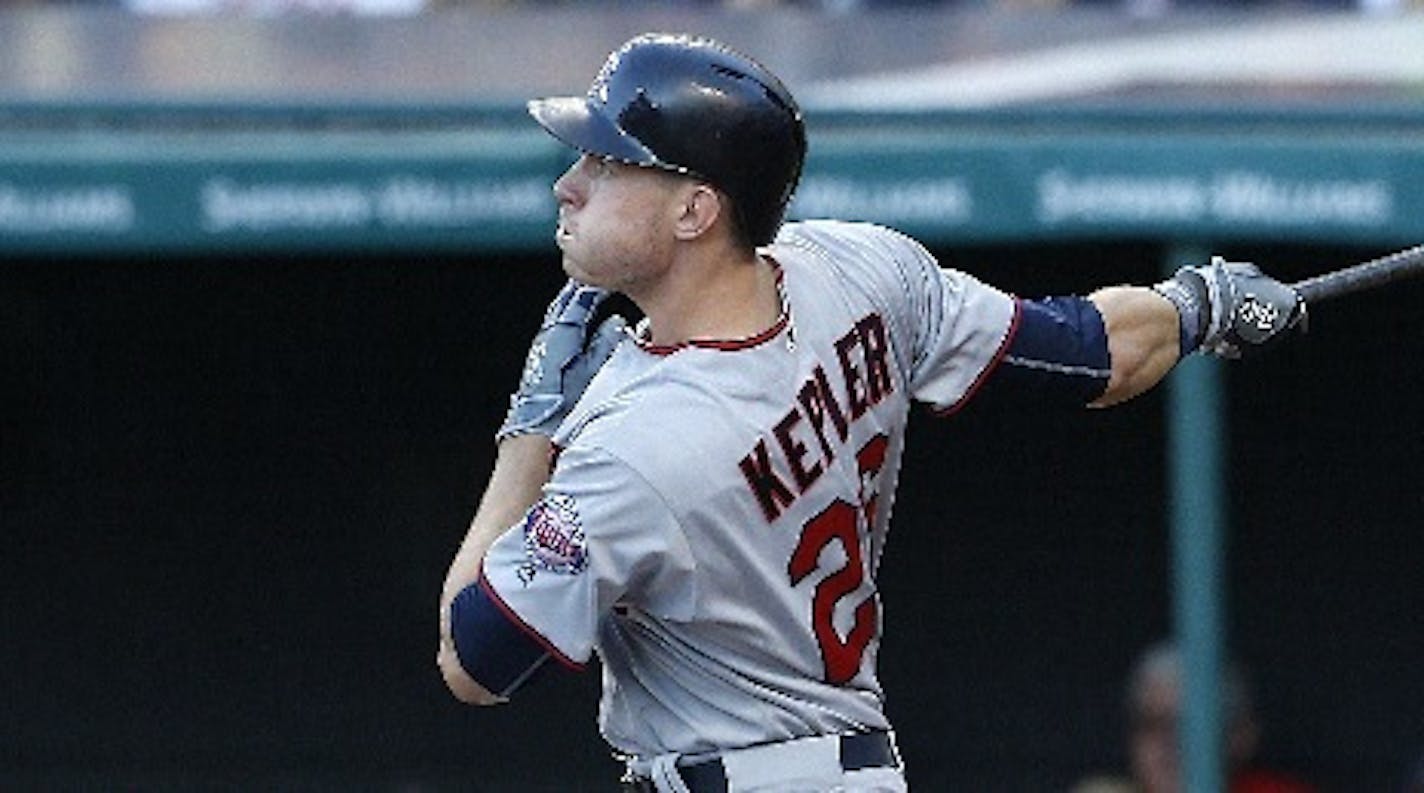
pixel 841 521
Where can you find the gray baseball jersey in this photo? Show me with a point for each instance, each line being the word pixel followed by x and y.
pixel 717 510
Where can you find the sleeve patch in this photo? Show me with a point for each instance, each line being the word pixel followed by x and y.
pixel 553 539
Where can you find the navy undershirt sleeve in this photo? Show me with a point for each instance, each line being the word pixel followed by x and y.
pixel 493 647
pixel 1059 355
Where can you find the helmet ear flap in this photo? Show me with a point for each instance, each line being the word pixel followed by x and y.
pixel 693 106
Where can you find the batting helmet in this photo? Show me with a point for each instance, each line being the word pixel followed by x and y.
pixel 693 106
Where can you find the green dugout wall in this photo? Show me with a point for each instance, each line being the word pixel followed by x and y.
pixel 85 184
pixel 194 177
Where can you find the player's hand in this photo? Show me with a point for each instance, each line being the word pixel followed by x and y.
pixel 563 358
pixel 1232 309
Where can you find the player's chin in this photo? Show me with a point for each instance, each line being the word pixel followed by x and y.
pixel 575 269
pixel 571 268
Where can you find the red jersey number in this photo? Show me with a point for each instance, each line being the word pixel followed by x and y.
pixel 840 522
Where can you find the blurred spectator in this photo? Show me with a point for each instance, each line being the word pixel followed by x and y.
pixel 1153 709
pixel 1414 777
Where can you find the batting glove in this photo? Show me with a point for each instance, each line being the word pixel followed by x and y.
pixel 563 358
pixel 1229 309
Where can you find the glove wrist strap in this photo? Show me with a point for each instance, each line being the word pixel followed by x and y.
pixel 1187 293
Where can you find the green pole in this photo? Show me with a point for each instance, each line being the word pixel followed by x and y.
pixel 1197 528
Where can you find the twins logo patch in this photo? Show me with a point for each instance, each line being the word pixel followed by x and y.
pixel 553 539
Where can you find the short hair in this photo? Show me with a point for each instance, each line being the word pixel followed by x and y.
pixel 1162 661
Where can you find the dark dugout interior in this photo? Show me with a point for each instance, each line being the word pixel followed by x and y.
pixel 231 487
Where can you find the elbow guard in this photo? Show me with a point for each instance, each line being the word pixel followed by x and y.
pixel 494 647
pixel 1059 353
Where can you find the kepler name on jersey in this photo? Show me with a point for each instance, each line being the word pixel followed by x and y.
pixel 865 375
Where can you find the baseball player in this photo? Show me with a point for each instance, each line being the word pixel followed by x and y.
pixel 702 499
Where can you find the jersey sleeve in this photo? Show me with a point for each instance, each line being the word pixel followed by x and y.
pixel 599 535
pixel 958 327
pixel 968 335
pixel 949 328
pixel 965 329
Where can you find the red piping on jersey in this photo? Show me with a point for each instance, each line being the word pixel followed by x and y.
pixel 731 345
pixel 524 627
pixel 993 364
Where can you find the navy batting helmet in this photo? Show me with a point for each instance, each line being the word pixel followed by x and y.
pixel 694 106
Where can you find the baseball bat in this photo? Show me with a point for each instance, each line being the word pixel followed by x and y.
pixel 1403 264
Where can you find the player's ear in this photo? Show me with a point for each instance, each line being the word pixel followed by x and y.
pixel 698 209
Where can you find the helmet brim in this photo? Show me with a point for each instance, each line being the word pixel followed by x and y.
pixel 578 123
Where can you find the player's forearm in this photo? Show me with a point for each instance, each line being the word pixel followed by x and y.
pixel 520 471
pixel 1143 339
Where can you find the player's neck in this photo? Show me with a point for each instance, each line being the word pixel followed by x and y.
pixel 714 299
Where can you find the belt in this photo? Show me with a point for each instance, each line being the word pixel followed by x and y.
pixel 858 751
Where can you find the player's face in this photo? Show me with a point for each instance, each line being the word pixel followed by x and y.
pixel 615 222
pixel 1153 743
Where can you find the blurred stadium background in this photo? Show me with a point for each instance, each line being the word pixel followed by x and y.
pixel 267 268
